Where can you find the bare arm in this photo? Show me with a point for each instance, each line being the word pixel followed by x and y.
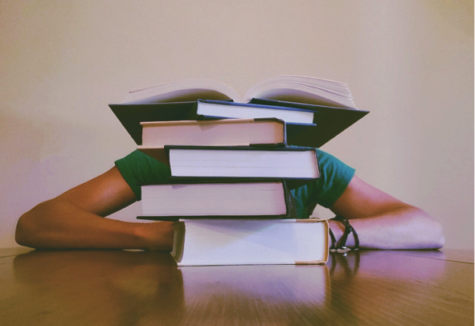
pixel 384 222
pixel 75 219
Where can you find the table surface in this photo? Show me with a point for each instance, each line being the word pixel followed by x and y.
pixel 146 288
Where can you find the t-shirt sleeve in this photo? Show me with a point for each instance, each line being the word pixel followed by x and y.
pixel 138 168
pixel 334 179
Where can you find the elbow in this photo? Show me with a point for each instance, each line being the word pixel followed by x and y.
pixel 21 233
pixel 438 237
pixel 24 233
pixel 29 227
pixel 432 229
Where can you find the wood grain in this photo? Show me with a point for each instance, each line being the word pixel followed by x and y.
pixel 146 288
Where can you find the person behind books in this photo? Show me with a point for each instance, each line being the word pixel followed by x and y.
pixel 75 218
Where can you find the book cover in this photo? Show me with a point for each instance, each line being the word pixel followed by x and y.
pixel 329 121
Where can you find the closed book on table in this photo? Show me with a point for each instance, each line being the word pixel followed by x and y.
pixel 223 132
pixel 225 199
pixel 238 162
pixel 250 242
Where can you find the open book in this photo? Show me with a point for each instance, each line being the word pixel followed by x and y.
pixel 298 89
pixel 314 110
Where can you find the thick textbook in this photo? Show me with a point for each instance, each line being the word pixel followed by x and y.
pixel 224 132
pixel 238 162
pixel 250 242
pixel 218 199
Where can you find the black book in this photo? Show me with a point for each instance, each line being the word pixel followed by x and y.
pixel 131 115
pixel 329 121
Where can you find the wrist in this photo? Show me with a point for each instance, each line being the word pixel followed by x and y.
pixel 157 236
pixel 338 229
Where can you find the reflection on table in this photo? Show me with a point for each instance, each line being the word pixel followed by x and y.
pixel 146 288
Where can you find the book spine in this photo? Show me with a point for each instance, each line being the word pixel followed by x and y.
pixel 215 217
pixel 310 262
pixel 241 148
pixel 289 202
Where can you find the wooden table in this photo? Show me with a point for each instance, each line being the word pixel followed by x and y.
pixel 146 288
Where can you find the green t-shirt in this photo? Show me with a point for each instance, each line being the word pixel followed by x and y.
pixel 138 168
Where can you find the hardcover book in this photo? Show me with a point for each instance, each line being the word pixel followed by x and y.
pixel 250 241
pixel 224 132
pixel 225 199
pixel 232 110
pixel 328 102
pixel 329 122
pixel 238 162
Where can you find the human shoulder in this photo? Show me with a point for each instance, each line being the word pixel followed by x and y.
pixel 335 176
pixel 138 168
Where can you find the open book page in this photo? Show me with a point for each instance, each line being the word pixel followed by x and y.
pixel 182 91
pixel 330 85
pixel 303 90
pixel 300 89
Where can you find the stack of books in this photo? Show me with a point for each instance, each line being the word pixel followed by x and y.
pixel 233 163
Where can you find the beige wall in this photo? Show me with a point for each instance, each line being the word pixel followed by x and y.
pixel 409 62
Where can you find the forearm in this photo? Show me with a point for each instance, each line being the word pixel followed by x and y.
pixel 59 224
pixel 406 227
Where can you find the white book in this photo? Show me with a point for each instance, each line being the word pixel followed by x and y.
pixel 238 162
pixel 231 110
pixel 224 132
pixel 244 163
pixel 165 201
pixel 250 242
